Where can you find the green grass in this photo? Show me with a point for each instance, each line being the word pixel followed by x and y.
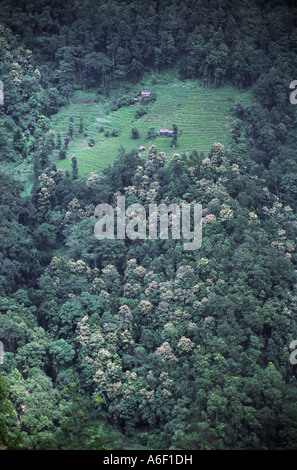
pixel 22 172
pixel 202 115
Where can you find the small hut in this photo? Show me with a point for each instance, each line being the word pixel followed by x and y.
pixel 165 132
pixel 145 94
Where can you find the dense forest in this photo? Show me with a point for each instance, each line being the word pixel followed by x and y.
pixel 115 341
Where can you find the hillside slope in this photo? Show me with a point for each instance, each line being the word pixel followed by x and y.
pixel 202 115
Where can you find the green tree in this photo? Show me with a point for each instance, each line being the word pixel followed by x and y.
pixel 81 126
pixel 74 167
pixel 151 133
pixel 9 438
pixel 62 154
pixel 59 142
pixel 77 428
pixel 174 136
pixel 135 133
pixel 70 129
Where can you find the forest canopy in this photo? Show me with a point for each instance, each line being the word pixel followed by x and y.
pixel 138 341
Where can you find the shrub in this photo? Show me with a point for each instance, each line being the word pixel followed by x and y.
pixel 135 133
pixel 140 112
pixel 151 133
pixel 62 154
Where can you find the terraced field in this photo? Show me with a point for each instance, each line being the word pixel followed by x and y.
pixel 202 116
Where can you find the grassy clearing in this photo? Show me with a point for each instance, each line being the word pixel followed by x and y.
pixel 22 172
pixel 202 115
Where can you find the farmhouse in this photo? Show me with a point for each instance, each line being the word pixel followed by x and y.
pixel 166 132
pixel 145 94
